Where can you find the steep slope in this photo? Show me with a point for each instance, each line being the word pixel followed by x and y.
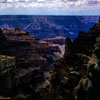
pixel 35 49
pixel 32 57
pixel 77 74
pixel 2 37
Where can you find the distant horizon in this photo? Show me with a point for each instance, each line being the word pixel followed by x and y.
pixel 43 15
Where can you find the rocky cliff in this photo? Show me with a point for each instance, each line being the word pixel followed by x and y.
pixel 7 67
pixel 77 74
pixel 23 61
pixel 28 48
pixel 57 41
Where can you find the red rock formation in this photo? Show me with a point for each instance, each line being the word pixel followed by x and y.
pixel 57 40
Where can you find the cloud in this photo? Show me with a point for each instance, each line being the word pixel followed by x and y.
pixel 93 2
pixel 2 1
pixel 72 0
pixel 55 7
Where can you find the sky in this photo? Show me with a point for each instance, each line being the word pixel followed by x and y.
pixel 49 7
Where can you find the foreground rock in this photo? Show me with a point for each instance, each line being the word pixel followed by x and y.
pixel 77 74
pixel 32 58
pixel 7 67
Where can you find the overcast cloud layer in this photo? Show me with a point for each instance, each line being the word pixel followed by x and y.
pixel 50 7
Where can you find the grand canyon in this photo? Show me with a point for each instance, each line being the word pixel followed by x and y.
pixel 49 57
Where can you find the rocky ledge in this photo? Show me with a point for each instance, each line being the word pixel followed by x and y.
pixel 57 40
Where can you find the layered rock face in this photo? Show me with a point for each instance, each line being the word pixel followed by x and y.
pixel 32 58
pixel 29 48
pixel 58 40
pixel 77 74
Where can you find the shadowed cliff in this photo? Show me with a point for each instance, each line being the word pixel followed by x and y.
pixel 23 59
pixel 77 74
